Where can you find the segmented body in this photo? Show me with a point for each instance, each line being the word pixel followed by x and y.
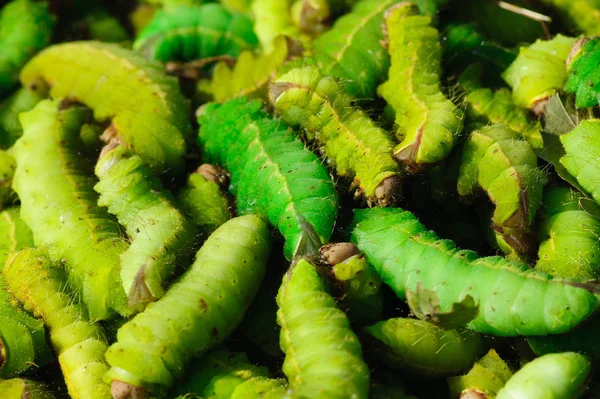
pixel 158 231
pixel 273 173
pixel 149 114
pixel 487 376
pixel 323 355
pixel 187 33
pixel 25 28
pixel 39 285
pixel 353 49
pixel 197 312
pixel 58 202
pixel 427 122
pixel 358 149
pixel 512 299
pixel 422 349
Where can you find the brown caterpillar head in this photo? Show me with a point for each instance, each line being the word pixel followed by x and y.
pixel 124 390
pixel 333 254
pixel 473 394
pixel 388 191
pixel 214 173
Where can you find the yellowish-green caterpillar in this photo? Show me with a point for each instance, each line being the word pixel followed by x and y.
pixel 18 388
pixel 274 18
pixel 487 376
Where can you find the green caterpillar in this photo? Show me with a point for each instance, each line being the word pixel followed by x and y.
pixel 202 198
pixel 512 300
pixel 25 28
pixel 569 237
pixel 158 231
pixel 427 122
pixel 485 106
pixel 314 16
pixel 560 375
pixel 422 349
pixel 273 19
pixel 273 173
pixel 359 150
pixel 19 388
pixel 353 50
pixel 583 78
pixel 7 173
pixel 22 338
pixel 583 15
pixel 149 114
pixel 323 355
pixel 20 101
pixel 197 312
pixel 357 283
pixel 251 73
pixel 224 374
pixel 487 376
pixel 582 150
pixel 504 165
pixel 55 185
pixel 39 284
pixel 538 72
pixel 187 33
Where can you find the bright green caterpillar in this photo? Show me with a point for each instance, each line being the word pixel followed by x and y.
pixel 19 388
pixel 323 355
pixel 273 173
pixel 197 312
pixel 539 71
pixel 158 231
pixel 427 122
pixel 39 284
pixel 353 49
pixel 356 147
pixel 583 76
pixel 58 202
pixel 569 237
pixel 149 114
pixel 187 33
pixel 22 338
pixel 487 376
pixel 504 165
pixel 422 349
pixel 25 28
pixel 512 299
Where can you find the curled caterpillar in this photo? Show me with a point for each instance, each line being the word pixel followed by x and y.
pixel 72 226
pixel 149 114
pixel 39 284
pixel 25 28
pixel 273 173
pixel 197 312
pixel 504 165
pixel 187 33
pixel 427 122
pixel 512 299
pixel 357 149
pixel 23 389
pixel 487 376
pixel 423 349
pixel 538 72
pixel 323 357
pixel 158 231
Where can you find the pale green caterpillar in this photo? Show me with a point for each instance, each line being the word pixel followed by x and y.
pixel 25 28
pixel 323 355
pixel 273 174
pixel 18 388
pixel 203 200
pixel 497 160
pixel 422 349
pixel 487 376
pixel 354 145
pixel 58 202
pixel 357 284
pixel 7 173
pixel 40 285
pixel 273 18
pixel 148 114
pixel 427 123
pixel 583 77
pixel 582 151
pixel 197 312
pixel 353 50
pixel 22 338
pixel 187 33
pixel 569 237
pixel 583 15
pixel 559 375
pixel 158 231
pixel 20 101
pixel 512 299
pixel 538 72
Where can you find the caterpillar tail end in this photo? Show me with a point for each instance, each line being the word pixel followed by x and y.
pixel 124 390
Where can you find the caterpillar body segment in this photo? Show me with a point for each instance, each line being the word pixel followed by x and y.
pixel 487 376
